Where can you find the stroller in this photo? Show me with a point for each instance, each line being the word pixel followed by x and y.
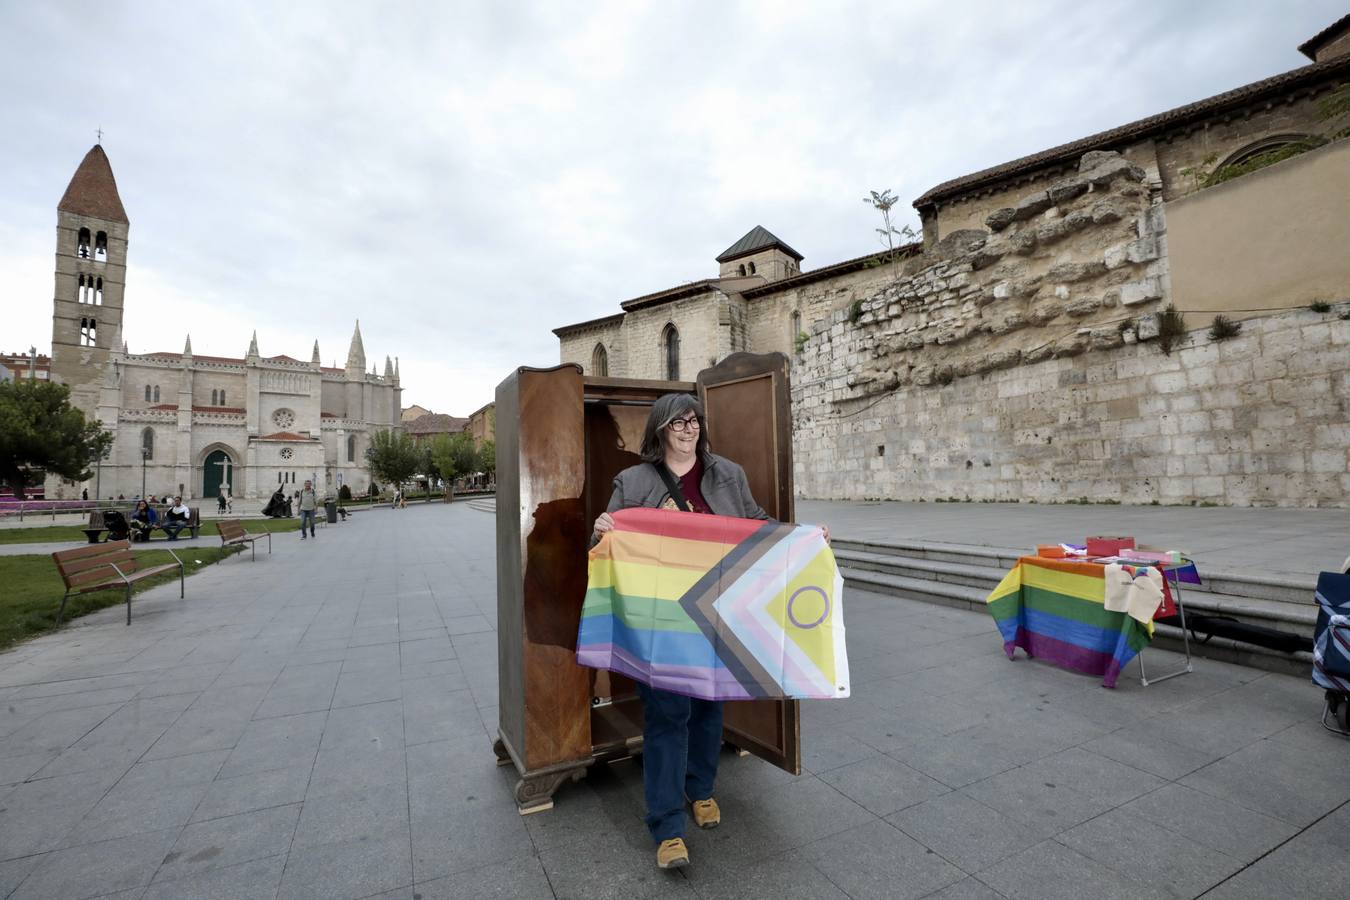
pixel 116 523
pixel 1331 649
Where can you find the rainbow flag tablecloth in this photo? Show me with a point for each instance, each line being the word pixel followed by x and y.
pixel 1055 610
pixel 715 607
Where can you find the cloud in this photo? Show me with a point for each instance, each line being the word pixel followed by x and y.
pixel 464 178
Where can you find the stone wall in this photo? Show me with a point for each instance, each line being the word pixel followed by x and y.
pixel 1262 419
pixel 1076 267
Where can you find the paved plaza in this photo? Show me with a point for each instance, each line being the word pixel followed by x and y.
pixel 317 724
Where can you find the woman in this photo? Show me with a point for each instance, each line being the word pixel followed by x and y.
pixel 143 521
pixel 682 736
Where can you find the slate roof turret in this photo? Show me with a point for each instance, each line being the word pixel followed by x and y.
pixel 93 189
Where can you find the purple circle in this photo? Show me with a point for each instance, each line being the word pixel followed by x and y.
pixel 795 594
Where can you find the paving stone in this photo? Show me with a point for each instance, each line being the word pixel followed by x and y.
pixel 522 878
pixel 258 790
pixel 97 868
pixel 341 770
pixel 780 876
pixel 1215 823
pixel 352 869
pixel 807 810
pixel 254 880
pixel 1276 779
pixel 1312 864
pixel 234 839
pixel 1140 747
pixel 1093 775
pixel 37 814
pixel 353 816
pixel 1051 871
pixel 957 759
pixel 966 832
pixel 883 785
pixel 276 743
pixel 373 726
pixel 877 860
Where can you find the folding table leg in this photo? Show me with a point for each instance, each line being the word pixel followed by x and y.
pixel 1185 641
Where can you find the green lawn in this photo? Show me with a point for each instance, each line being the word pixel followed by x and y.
pixel 42 534
pixel 33 590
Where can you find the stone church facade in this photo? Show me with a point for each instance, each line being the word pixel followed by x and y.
pixel 189 423
pixel 1013 354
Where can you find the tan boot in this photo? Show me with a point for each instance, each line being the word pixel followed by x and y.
pixel 706 813
pixel 672 854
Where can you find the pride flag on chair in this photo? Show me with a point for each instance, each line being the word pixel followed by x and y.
pixel 715 607
pixel 1055 610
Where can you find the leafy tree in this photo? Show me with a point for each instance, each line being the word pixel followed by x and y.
pixel 393 456
pixel 41 431
pixel 454 455
pixel 487 457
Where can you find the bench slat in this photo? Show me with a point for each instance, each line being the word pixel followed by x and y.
pixel 92 576
pixel 74 567
pixel 91 550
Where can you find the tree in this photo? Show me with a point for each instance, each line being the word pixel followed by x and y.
pixel 40 431
pixel 393 456
pixel 454 455
pixel 487 457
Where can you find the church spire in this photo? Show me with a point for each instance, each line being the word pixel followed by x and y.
pixel 93 190
pixel 388 367
pixel 356 356
pixel 187 346
pixel 395 370
pixel 314 360
pixel 253 347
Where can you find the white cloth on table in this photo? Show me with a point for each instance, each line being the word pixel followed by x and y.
pixel 1137 595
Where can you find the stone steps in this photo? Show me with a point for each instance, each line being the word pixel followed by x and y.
pixel 962 576
pixel 483 504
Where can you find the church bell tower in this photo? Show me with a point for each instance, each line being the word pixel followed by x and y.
pixel 91 267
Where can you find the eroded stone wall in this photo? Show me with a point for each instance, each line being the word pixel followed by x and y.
pixel 1262 419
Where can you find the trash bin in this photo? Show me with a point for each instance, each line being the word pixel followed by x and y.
pixel 330 507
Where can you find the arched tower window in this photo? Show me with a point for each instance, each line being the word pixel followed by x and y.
pixel 101 246
pixel 79 296
pixel 741 268
pixel 98 291
pixel 351 448
pixel 156 393
pixel 147 393
pixel 600 361
pixel 89 332
pixel 148 443
pixel 213 399
pixel 83 249
pixel 670 338
pixel 222 396
pixel 752 268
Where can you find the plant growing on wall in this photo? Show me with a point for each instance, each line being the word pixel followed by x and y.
pixel 1224 328
pixel 800 341
pixel 883 202
pixel 1171 328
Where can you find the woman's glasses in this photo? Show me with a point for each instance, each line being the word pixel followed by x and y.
pixel 690 424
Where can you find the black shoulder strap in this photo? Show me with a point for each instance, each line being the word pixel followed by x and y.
pixel 673 486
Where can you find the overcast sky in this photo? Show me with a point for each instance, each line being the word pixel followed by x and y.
pixel 465 177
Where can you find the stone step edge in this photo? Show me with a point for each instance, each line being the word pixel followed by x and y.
pixel 1273 612
pixel 1286 582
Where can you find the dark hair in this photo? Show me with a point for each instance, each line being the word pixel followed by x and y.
pixel 665 410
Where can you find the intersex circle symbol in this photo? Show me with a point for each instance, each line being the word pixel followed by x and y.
pixel 825 598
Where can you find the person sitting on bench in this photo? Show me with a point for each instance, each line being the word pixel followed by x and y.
pixel 143 521
pixel 176 519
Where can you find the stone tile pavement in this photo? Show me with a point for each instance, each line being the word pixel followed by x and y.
pixel 316 724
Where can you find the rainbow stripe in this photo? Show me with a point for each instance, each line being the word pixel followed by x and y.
pixel 1055 610
pixel 716 607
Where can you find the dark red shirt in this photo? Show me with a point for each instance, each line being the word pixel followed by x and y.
pixel 693 494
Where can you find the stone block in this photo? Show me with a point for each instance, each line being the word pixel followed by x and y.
pixel 1031 205
pixel 1045 312
pixel 1024 242
pixel 1061 292
pixel 1062 192
pixel 1106 338
pixel 1075 271
pixel 1104 212
pixel 1083 306
pixel 1137 292
pixel 1114 257
pixel 1000 219
pixel 1101 167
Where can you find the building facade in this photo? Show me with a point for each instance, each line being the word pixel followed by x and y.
pixel 194 424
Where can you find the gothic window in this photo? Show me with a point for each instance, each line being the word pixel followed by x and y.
pixel 752 268
pixel 101 246
pixel 148 443
pixel 147 393
pixel 89 332
pixel 670 338
pixel 98 291
pixel 83 250
pixel 600 361
pixel 213 399
pixel 222 396
pixel 351 448
pixel 156 393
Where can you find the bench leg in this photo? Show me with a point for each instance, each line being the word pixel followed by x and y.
pixel 128 604
pixel 182 582
pixel 253 548
pixel 62 611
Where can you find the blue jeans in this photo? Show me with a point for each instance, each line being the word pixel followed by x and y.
pixel 681 738
pixel 307 515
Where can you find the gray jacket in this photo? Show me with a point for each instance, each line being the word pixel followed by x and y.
pixel 724 487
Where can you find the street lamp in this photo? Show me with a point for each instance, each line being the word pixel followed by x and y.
pixel 145 457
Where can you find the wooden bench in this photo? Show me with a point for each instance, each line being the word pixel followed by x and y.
pixel 192 525
pixel 107 566
pixel 96 527
pixel 232 532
